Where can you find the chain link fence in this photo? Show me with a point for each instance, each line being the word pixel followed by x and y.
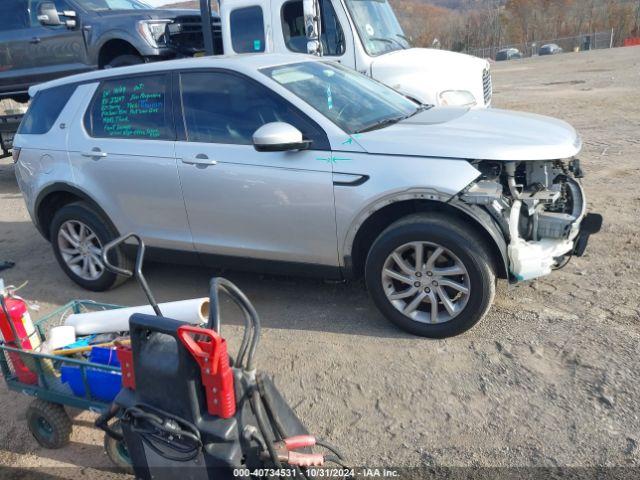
pixel 588 41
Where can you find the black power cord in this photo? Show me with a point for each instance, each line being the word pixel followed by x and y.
pixel 158 427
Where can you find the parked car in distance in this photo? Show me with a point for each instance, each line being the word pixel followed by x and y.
pixel 44 40
pixel 508 54
pixel 550 49
pixel 293 164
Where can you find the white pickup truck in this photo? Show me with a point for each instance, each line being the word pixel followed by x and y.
pixel 362 34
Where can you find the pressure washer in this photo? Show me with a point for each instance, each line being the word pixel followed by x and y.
pixel 189 410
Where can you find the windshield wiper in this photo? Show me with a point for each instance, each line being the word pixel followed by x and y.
pixel 381 124
pixel 389 40
pixel 392 121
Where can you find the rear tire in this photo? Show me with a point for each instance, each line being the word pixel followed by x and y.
pixel 49 424
pixel 455 283
pixel 124 61
pixel 77 235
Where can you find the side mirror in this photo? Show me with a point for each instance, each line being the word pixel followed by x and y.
pixel 279 137
pixel 48 15
pixel 311 13
pixel 314 47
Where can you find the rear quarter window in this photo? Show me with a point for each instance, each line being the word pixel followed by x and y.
pixel 137 107
pixel 45 109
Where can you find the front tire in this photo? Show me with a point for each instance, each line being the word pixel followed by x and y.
pixel 431 275
pixel 77 235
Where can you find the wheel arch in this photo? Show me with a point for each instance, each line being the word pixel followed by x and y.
pixel 114 47
pixel 56 196
pixel 377 220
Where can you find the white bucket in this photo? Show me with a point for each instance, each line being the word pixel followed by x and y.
pixel 61 337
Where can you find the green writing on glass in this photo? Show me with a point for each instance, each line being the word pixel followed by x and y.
pixel 132 111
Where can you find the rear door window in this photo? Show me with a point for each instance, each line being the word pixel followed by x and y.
pixel 137 107
pixel 45 109
pixel 14 15
pixel 247 30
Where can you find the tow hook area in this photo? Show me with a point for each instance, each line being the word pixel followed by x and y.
pixel 590 225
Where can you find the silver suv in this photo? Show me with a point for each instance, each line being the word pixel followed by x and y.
pixel 280 164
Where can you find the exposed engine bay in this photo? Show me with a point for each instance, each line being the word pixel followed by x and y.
pixel 539 205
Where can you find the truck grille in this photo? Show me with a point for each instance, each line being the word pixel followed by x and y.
pixel 487 86
pixel 184 34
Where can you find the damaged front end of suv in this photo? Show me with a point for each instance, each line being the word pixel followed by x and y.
pixel 540 207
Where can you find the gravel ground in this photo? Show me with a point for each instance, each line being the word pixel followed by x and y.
pixel 550 378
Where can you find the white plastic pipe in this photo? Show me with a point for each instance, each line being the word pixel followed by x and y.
pixel 195 311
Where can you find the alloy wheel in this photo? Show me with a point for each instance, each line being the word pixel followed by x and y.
pixel 81 250
pixel 426 282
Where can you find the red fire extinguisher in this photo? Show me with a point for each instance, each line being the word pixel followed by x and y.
pixel 18 332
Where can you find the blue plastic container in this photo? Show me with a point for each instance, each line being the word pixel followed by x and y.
pixel 104 385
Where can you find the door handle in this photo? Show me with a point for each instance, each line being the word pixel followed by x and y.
pixel 95 153
pixel 349 179
pixel 36 40
pixel 199 159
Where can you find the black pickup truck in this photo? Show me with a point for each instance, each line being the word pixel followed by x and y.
pixel 45 39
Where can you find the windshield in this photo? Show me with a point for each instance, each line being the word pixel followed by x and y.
pixel 98 5
pixel 377 26
pixel 350 100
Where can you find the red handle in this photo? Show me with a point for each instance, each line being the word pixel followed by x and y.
pixel 299 441
pixel 197 348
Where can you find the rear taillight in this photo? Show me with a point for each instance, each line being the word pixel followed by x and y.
pixel 16 154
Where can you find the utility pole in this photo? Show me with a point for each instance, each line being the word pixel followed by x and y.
pixel 207 32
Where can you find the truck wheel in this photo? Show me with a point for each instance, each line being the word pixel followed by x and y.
pixel 117 450
pixel 77 235
pixel 430 276
pixel 125 60
pixel 49 424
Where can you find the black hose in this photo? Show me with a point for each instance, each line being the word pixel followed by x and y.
pixel 330 447
pixel 214 306
pixel 336 460
pixel 256 406
pixel 251 336
pixel 102 422
pixel 180 429
pixel 268 402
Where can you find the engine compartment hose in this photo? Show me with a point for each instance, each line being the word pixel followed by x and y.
pixel 510 169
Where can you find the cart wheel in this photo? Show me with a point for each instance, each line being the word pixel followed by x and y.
pixel 49 423
pixel 117 450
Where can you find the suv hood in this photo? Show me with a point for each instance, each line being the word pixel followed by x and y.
pixel 478 134
pixel 423 73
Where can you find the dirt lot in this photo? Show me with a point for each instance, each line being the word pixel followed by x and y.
pixel 550 378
